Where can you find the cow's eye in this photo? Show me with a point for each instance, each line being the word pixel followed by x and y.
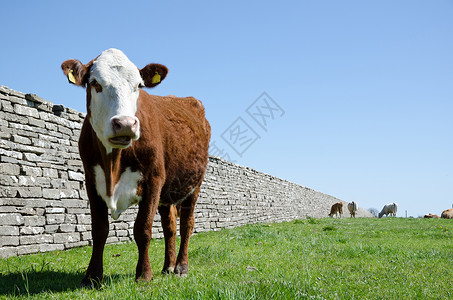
pixel 96 86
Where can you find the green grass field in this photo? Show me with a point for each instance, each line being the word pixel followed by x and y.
pixel 389 258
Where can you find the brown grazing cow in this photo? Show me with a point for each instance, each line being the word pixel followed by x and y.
pixel 139 149
pixel 431 216
pixel 337 208
pixel 352 207
pixel 447 214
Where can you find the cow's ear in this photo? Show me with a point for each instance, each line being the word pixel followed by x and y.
pixel 75 71
pixel 153 74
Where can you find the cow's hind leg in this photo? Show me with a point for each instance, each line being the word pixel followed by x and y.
pixel 168 216
pixel 187 222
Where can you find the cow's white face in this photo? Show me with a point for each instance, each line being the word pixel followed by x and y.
pixel 114 83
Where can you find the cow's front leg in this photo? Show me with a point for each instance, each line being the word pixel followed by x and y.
pixel 142 233
pixel 168 216
pixel 99 233
pixel 187 222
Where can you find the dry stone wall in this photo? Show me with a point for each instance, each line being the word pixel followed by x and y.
pixel 43 201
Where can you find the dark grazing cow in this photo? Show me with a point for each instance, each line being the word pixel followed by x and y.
pixel 139 149
pixel 337 208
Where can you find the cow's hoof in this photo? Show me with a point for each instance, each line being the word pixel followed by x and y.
pixel 181 270
pixel 145 277
pixel 168 271
pixel 90 283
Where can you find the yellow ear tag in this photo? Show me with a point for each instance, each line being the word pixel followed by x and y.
pixel 156 78
pixel 71 77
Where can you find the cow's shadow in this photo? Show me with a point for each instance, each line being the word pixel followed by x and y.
pixel 35 282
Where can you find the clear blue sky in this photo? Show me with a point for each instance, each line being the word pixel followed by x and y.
pixel 362 90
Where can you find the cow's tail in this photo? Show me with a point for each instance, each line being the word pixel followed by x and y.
pixel 176 210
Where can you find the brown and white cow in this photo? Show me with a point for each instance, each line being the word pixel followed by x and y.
pixel 447 214
pixel 352 207
pixel 337 208
pixel 389 209
pixel 140 149
pixel 431 216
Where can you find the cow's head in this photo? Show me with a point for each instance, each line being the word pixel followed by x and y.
pixel 113 83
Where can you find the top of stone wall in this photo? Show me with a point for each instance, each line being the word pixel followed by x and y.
pixel 32 104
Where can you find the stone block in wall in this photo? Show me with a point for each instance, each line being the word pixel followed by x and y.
pixel 51 193
pixel 9 230
pixel 112 240
pixel 74 203
pixel 82 228
pixel 33 221
pixel 50 247
pixel 52 219
pixel 70 195
pixel 32 171
pixel 67 228
pixel 17 100
pixel 63 238
pixel 29 192
pixel 36 239
pixel 76 176
pixel 29 230
pixel 121 233
pixel 20 139
pixel 9 169
pixel 65 130
pixel 76 244
pixel 84 219
pixel 70 219
pixel 51 228
pixel 38 204
pixel 38 102
pixel 49 173
pixel 11 219
pixel 9 241
pixel 31 157
pixel 79 211
pixel 86 236
pixel 27 249
pixel 36 122
pixel 13 154
pixel 7 106
pixel 8 251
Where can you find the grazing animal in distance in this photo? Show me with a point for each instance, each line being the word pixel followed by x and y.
pixel 389 209
pixel 447 214
pixel 137 148
pixel 352 207
pixel 431 216
pixel 337 208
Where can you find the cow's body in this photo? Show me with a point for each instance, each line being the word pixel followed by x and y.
pixel 431 216
pixel 152 152
pixel 447 214
pixel 389 209
pixel 337 208
pixel 352 207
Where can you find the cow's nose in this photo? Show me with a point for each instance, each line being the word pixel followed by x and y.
pixel 125 126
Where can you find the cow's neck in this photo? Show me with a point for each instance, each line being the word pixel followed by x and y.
pixel 112 168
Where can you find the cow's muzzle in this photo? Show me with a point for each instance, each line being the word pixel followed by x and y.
pixel 125 129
